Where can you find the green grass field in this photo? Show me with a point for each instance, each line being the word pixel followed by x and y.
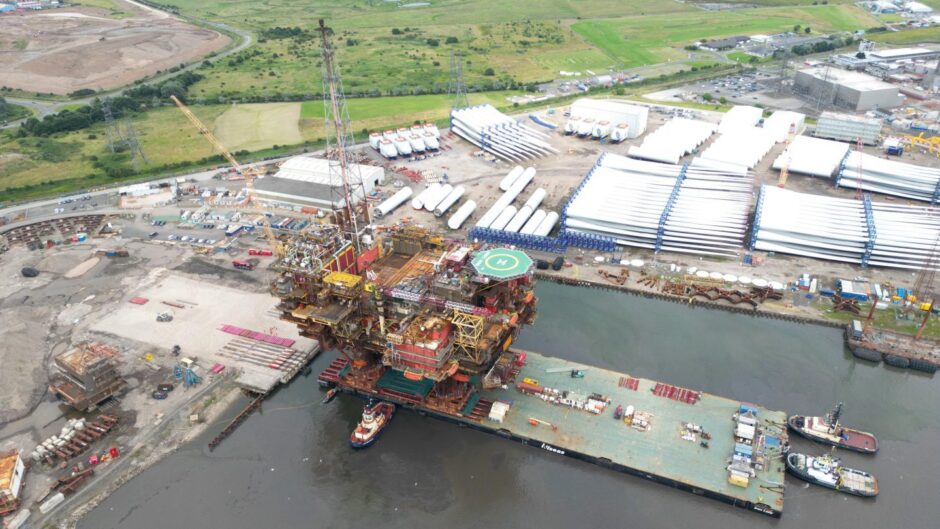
pixel 907 37
pixel 167 137
pixel 637 41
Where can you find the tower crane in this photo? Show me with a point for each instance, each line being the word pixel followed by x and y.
pixel 248 172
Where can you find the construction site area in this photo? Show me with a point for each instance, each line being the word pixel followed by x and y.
pixel 413 260
pixel 73 48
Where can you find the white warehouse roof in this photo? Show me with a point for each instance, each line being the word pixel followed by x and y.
pixel 318 171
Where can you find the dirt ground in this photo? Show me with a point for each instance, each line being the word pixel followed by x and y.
pixel 68 49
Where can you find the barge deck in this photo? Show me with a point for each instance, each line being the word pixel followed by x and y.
pixel 660 453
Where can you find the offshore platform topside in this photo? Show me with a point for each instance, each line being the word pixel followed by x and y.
pixel 412 312
pixel 428 324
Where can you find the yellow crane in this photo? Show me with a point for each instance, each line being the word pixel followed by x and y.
pixel 248 172
pixel 928 144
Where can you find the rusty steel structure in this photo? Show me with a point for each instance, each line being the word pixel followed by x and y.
pixel 414 316
pixel 753 297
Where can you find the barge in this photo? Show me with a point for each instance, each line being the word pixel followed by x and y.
pixel 658 453
pixel 896 349
pixel 429 324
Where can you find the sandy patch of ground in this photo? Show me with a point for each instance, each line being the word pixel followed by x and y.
pixel 75 48
pixel 81 268
pixel 259 126
pixel 194 328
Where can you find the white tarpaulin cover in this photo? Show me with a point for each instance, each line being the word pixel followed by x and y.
pixel 812 156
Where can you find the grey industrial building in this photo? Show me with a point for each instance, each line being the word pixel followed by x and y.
pixel 853 91
pixel 304 181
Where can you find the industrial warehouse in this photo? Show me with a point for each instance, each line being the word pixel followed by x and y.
pixel 404 270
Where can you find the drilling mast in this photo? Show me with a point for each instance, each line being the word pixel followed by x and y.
pixel 336 119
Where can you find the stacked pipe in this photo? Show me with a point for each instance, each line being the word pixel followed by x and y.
pixel 662 207
pixel 392 202
pixel 889 177
pixel 449 201
pixel 497 133
pixel 461 215
pixel 431 202
pixel 430 191
pixel 673 140
pixel 503 201
pixel 905 236
pixel 815 226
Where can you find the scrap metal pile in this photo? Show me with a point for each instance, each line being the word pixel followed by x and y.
pixel 753 297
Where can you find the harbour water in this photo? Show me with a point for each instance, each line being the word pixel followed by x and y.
pixel 292 466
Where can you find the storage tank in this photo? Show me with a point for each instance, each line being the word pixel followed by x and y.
pixel 374 139
pixel 536 199
pixel 462 214
pixel 418 202
pixel 519 219
pixel 449 201
pixel 529 227
pixel 620 133
pixel 392 202
pixel 437 197
pixel 547 224
pixel 571 126
pixel 586 127
pixel 402 146
pixel 387 149
pixel 601 130
pixel 417 144
pixel 503 219
pixel 511 177
pixel 431 141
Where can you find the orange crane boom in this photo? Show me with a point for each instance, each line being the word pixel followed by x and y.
pixel 249 173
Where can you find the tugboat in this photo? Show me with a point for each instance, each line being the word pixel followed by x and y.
pixel 828 472
pixel 375 417
pixel 828 430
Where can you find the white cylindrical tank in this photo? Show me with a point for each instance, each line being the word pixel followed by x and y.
pixel 508 180
pixel 387 149
pixel 418 202
pixel 547 224
pixel 536 199
pixel 437 197
pixel 462 214
pixel 571 127
pixel 431 141
pixel 601 130
pixel 503 219
pixel 402 146
pixel 533 222
pixel 519 219
pixel 586 127
pixel 449 201
pixel 417 144
pixel 432 128
pixel 392 202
